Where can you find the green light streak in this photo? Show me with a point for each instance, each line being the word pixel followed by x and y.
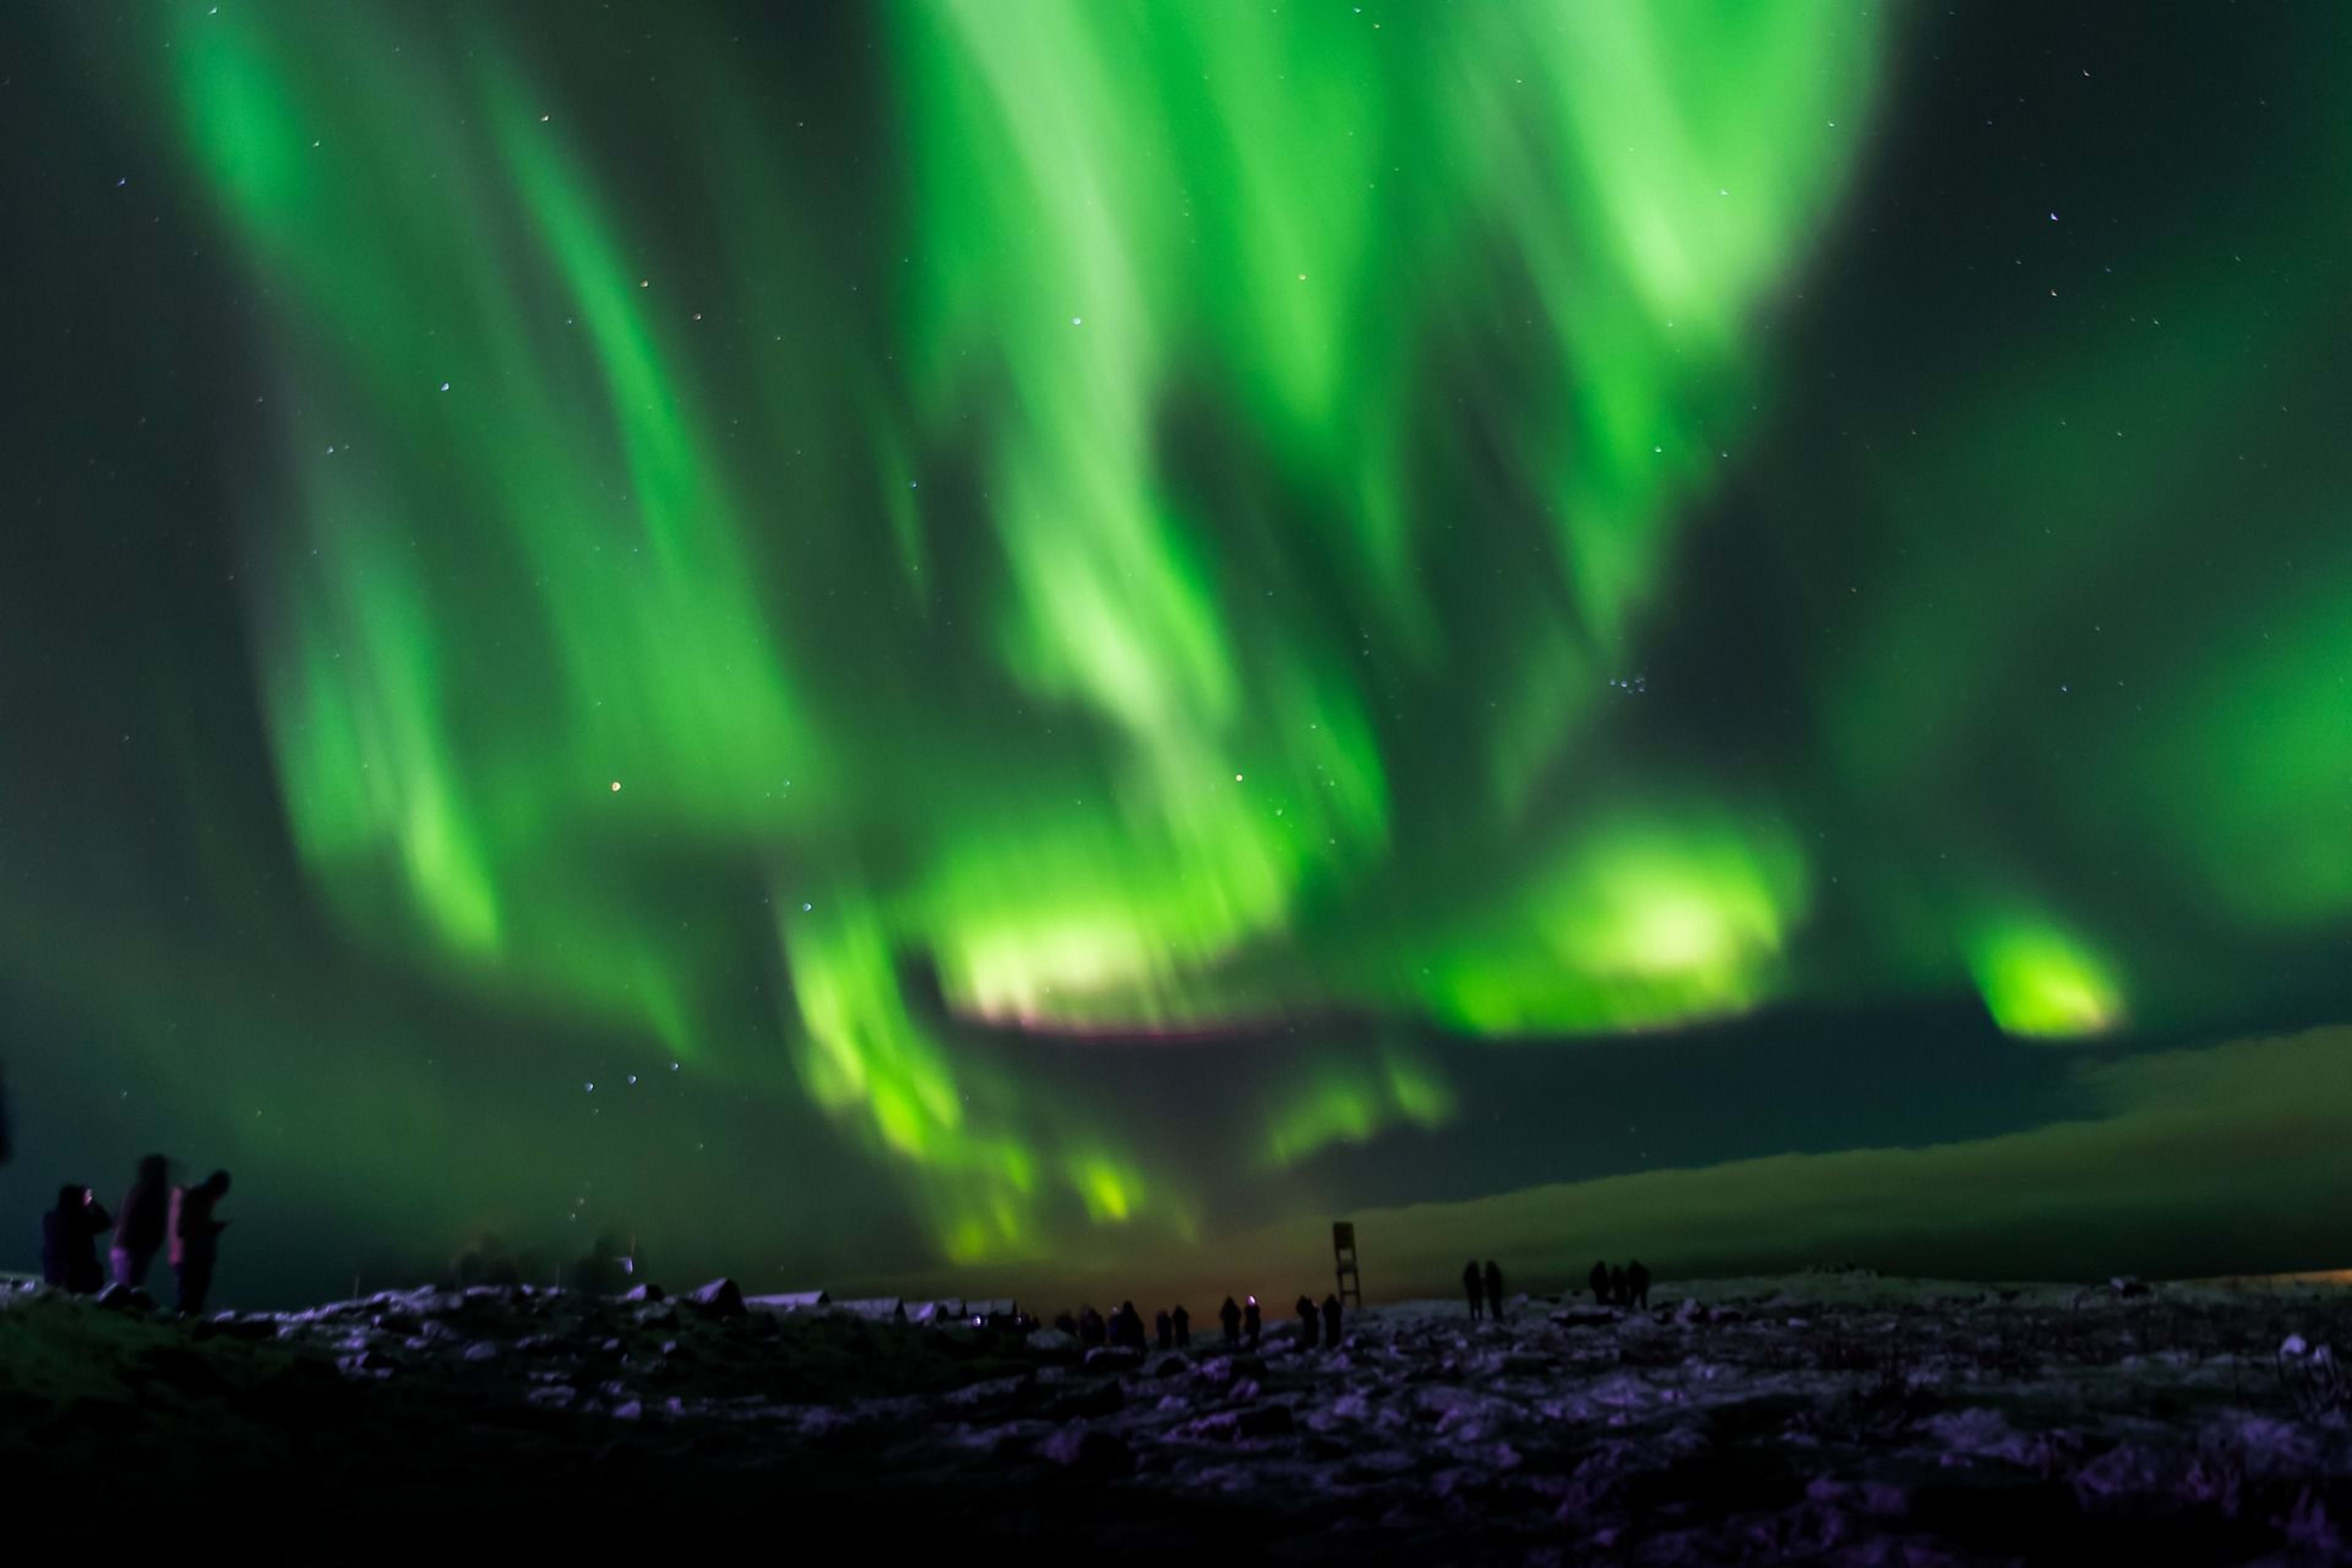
pixel 1053 591
pixel 2040 984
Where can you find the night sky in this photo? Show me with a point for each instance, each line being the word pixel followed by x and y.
pixel 988 643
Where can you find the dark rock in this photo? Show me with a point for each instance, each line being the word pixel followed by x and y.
pixel 484 1350
pixel 184 1370
pixel 996 1391
pixel 1170 1365
pixel 1112 1359
pixel 1266 1421
pixel 721 1298
pixel 1103 1398
pixel 228 1326
pixel 652 1292
pixel 98 1415
pixel 1253 1422
pixel 122 1299
pixel 1088 1450
pixel 1227 1369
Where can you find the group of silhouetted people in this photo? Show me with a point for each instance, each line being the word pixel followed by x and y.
pixel 1485 1288
pixel 1619 1287
pixel 154 1217
pixel 1324 1320
pixel 1243 1323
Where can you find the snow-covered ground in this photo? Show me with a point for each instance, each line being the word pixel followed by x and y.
pixel 1821 1417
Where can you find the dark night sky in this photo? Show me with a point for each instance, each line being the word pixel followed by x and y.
pixel 1051 639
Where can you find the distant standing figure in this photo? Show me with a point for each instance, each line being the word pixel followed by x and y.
pixel 139 1224
pixel 1310 1322
pixel 1166 1326
pixel 1637 1279
pixel 69 1234
pixel 1068 1324
pixel 1091 1329
pixel 1130 1326
pixel 1618 1295
pixel 1253 1323
pixel 1473 1287
pixel 1183 1326
pixel 1230 1316
pixel 1493 1290
pixel 1598 1280
pixel 196 1240
pixel 1331 1320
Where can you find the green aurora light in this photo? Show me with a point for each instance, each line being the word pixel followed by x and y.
pixel 1166 542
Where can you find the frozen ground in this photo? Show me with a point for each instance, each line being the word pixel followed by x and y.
pixel 1836 1418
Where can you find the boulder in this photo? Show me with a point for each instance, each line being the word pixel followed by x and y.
pixel 1088 1450
pixel 229 1326
pixel 1247 1423
pixel 1050 1340
pixel 1103 1398
pixel 1227 1369
pixel 484 1350
pixel 719 1298
pixel 648 1292
pixel 1113 1359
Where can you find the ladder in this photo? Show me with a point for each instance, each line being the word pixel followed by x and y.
pixel 1343 1252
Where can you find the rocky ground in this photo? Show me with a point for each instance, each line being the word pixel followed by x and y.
pixel 1833 1418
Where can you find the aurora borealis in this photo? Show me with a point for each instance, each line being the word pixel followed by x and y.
pixel 1005 636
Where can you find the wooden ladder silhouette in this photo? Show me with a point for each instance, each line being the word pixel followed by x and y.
pixel 1343 1252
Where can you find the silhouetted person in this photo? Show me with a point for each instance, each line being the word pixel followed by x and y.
pixel 1231 1317
pixel 1474 1287
pixel 1493 1290
pixel 1637 1282
pixel 1183 1325
pixel 1130 1326
pixel 1618 1295
pixel 485 1261
pixel 1253 1323
pixel 606 1270
pixel 1092 1331
pixel 1310 1322
pixel 1068 1324
pixel 1598 1280
pixel 1331 1322
pixel 139 1223
pixel 1166 1326
pixel 196 1240
pixel 69 1234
